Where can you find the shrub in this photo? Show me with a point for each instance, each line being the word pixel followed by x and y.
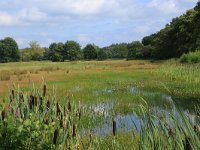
pixel 191 57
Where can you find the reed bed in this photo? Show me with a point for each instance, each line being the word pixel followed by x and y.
pixel 37 120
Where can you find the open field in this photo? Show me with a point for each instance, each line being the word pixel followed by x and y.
pixel 106 92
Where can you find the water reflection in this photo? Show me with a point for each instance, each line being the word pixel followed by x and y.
pixel 130 122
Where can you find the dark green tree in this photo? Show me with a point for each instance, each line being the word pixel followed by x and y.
pixel 134 49
pixel 101 55
pixel 72 51
pixel 55 54
pixel 90 52
pixel 9 51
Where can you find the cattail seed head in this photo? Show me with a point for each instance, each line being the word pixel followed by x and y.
pixel 61 120
pixel 69 106
pixel 44 90
pixel 55 137
pixel 187 144
pixel 74 131
pixel 114 127
pixel 36 101
pixel 30 104
pixel 13 94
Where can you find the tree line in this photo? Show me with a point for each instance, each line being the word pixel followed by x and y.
pixel 180 36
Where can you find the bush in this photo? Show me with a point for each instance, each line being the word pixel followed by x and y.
pixel 191 57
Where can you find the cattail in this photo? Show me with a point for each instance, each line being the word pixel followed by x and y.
pixel 3 114
pixel 44 90
pixel 36 102
pixel 61 120
pixel 187 144
pixel 69 106
pixel 30 104
pixel 55 137
pixel 41 101
pixel 114 127
pixel 13 94
pixel 74 131
pixel 48 104
pixel 10 98
pixel 64 111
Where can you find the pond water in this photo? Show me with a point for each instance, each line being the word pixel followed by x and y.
pixel 129 122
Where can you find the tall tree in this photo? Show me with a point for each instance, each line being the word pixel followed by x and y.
pixel 72 51
pixel 9 51
pixel 90 52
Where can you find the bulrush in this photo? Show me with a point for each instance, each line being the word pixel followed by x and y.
pixel 64 111
pixel 187 144
pixel 61 121
pixel 69 106
pixel 44 90
pixel 32 99
pixel 3 114
pixel 35 101
pixel 74 131
pixel 114 127
pixel 13 94
pixel 30 104
pixel 55 137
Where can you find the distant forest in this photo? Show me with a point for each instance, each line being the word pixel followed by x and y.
pixel 180 36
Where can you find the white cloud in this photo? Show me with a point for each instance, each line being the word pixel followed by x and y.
pixel 6 19
pixel 31 14
pixel 83 38
pixel 166 7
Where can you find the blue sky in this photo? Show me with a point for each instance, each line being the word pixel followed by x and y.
pixel 101 22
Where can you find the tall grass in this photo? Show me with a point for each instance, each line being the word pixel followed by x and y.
pixel 37 120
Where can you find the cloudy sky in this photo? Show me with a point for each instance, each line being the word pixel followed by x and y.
pixel 102 22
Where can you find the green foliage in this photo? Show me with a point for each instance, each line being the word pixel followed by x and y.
pixel 134 50
pixel 191 57
pixel 101 55
pixel 55 52
pixel 35 52
pixel 179 37
pixel 72 51
pixel 90 52
pixel 9 51
pixel 116 51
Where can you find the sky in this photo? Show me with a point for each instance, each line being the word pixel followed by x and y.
pixel 101 22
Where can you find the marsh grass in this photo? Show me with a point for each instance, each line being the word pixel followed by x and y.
pixel 36 120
